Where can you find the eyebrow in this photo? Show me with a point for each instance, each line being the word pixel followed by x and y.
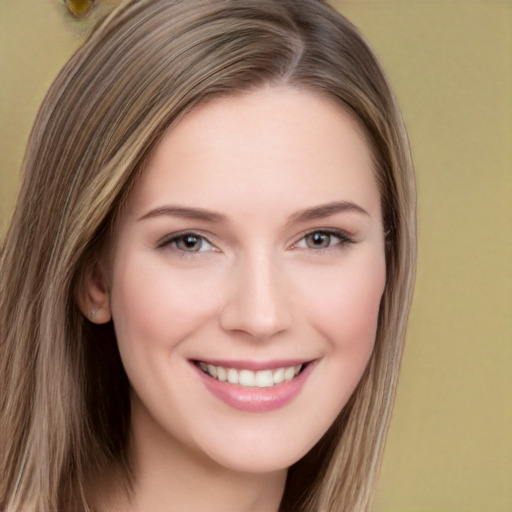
pixel 317 212
pixel 185 212
pixel 326 210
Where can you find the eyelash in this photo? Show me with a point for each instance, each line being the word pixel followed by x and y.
pixel 172 241
pixel 342 236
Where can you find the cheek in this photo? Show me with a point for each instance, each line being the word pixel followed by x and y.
pixel 346 314
pixel 158 306
pixel 346 308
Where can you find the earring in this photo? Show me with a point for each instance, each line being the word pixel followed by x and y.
pixel 92 314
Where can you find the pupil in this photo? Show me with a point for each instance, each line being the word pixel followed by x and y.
pixel 190 242
pixel 319 239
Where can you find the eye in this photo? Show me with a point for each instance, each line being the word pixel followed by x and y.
pixel 323 239
pixel 188 242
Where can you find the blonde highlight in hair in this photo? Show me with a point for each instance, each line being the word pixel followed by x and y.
pixel 64 407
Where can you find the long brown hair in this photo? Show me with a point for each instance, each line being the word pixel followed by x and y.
pixel 64 408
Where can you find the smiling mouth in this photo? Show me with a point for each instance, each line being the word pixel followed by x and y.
pixel 249 378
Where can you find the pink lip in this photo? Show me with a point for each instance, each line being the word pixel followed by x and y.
pixel 255 399
pixel 254 365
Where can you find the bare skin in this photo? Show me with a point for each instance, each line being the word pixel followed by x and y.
pixel 252 242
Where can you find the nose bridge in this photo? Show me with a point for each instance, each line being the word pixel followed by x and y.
pixel 259 302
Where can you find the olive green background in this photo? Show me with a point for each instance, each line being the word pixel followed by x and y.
pixel 450 444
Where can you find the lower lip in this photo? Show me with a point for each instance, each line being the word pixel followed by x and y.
pixel 256 399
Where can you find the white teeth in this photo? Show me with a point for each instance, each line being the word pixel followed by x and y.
pixel 212 370
pixel 249 378
pixel 264 379
pixel 289 373
pixel 279 376
pixel 222 375
pixel 232 376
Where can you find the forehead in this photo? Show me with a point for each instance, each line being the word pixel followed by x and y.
pixel 267 145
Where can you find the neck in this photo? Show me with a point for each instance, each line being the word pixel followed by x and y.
pixel 171 477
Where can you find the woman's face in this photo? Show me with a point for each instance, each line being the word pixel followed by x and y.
pixel 245 279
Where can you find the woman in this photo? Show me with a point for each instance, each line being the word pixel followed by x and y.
pixel 207 277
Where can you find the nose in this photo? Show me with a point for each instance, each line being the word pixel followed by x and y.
pixel 258 303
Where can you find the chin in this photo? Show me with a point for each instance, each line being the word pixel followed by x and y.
pixel 261 451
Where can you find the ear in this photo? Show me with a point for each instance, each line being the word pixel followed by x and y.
pixel 94 295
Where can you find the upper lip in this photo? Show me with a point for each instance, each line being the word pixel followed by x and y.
pixel 240 364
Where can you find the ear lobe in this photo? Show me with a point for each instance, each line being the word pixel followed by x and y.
pixel 94 296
